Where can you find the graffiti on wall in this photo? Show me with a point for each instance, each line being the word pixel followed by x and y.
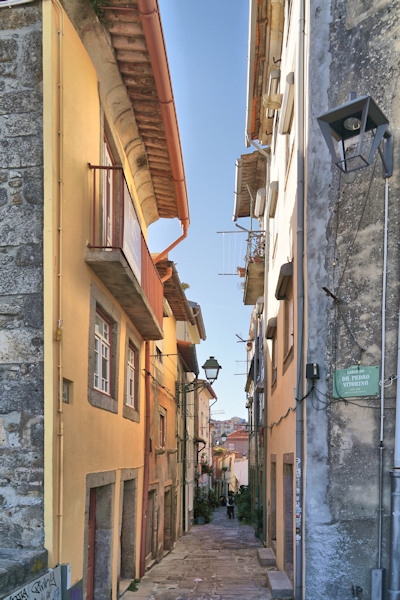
pixel 46 587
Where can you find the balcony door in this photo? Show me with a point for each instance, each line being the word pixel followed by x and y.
pixel 108 203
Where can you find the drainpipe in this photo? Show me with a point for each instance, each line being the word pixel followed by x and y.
pixel 60 231
pixel 300 412
pixel 377 575
pixel 146 460
pixel 184 469
pixel 265 349
pixel 394 568
pixel 259 148
pixel 151 22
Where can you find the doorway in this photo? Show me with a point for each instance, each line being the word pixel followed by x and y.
pixel 128 530
pixel 168 538
pixel 288 514
pixel 99 552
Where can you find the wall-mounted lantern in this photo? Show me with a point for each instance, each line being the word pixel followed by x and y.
pixel 354 132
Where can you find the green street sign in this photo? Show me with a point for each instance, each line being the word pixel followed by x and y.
pixel 355 382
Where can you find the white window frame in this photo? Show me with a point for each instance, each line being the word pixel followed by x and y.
pixel 102 355
pixel 131 398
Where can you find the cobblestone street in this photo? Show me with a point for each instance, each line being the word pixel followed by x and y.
pixel 216 561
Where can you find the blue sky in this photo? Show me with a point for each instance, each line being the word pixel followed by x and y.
pixel 207 53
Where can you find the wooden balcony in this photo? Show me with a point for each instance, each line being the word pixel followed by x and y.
pixel 119 255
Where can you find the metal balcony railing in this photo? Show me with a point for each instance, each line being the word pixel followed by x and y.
pixel 255 247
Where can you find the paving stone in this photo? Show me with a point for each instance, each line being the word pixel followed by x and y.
pixel 221 555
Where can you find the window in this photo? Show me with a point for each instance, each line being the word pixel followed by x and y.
pixel 102 355
pixel 159 356
pixel 67 391
pixel 162 430
pixel 132 377
pixel 104 330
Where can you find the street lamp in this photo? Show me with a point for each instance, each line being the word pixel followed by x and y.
pixel 352 120
pixel 211 369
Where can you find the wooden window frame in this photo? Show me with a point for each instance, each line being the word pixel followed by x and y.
pixel 162 432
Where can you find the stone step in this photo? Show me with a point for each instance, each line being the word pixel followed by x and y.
pixel 279 585
pixel 266 557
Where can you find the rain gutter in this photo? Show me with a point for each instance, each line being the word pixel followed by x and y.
pixel 250 79
pixel 151 22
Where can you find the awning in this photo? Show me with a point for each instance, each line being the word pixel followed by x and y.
pixel 271 328
pixel 284 281
pixel 187 352
pixel 251 173
pixel 196 308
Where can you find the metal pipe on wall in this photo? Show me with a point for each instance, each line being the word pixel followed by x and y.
pixel 377 574
pixel 394 568
pixel 146 466
pixel 299 111
pixel 394 565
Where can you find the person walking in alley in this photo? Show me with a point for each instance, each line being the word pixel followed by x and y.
pixel 230 506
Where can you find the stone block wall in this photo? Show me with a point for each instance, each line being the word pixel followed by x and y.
pixel 21 277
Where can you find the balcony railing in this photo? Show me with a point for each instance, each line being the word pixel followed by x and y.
pixel 118 252
pixel 253 285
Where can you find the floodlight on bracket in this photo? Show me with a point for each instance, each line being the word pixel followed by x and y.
pixel 359 118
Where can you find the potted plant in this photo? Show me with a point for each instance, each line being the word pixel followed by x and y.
pixel 243 502
pixel 206 469
pixel 202 507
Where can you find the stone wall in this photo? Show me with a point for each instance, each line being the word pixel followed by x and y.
pixel 21 277
pixel 352 49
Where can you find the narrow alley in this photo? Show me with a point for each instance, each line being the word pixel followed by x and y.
pixel 216 561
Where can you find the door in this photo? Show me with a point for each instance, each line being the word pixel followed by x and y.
pixel 108 199
pixel 91 545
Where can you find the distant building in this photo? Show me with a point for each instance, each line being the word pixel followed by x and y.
pixel 241 469
pixel 226 427
pixel 238 441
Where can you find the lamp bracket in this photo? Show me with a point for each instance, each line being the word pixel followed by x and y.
pixel 386 154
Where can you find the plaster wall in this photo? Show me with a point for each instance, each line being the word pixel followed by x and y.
pixel 86 439
pixel 282 243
